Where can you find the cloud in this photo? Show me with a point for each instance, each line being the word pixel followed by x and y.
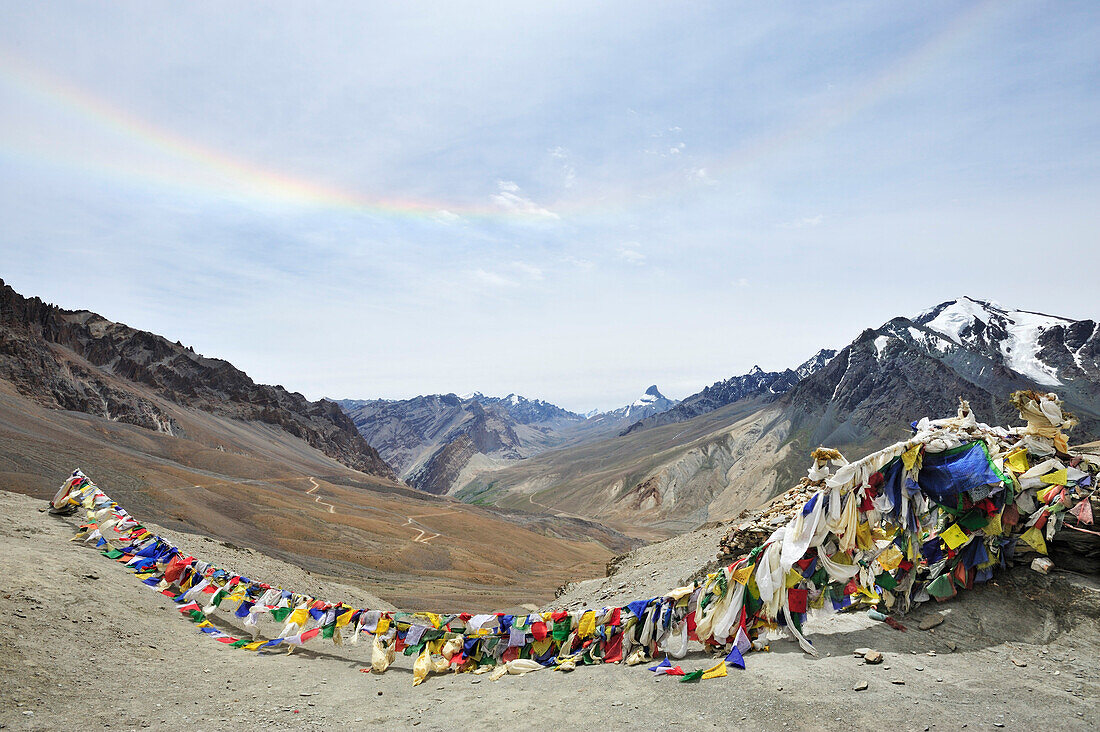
pixel 569 173
pixel 804 222
pixel 493 279
pixel 529 271
pixel 580 263
pixel 741 282
pixel 514 274
pixel 629 253
pixel 444 216
pixel 700 175
pixel 511 199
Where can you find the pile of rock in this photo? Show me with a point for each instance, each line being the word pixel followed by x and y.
pixel 753 526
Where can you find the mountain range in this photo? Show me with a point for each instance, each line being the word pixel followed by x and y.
pixel 154 415
pixel 192 443
pixel 695 464
pixel 436 442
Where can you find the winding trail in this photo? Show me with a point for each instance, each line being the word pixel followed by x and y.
pixel 422 537
pixel 551 511
pixel 331 508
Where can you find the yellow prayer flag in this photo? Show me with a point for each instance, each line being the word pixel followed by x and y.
pixel 869 593
pixel 299 616
pixel 383 626
pixel 890 558
pixel 344 618
pixel 993 526
pixel 910 456
pixel 841 558
pixel 954 537
pixel 587 627
pixel 1058 477
pixel 863 536
pixel 1017 461
pixel 253 645
pixel 1034 538
pixel 793 578
pixel 741 575
pixel 715 671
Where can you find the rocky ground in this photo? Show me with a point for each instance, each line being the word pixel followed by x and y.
pixel 85 644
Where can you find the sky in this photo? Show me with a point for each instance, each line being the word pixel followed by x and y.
pixel 570 200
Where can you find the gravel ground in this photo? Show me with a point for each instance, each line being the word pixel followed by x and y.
pixel 85 644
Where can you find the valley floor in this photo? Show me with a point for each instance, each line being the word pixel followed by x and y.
pixel 84 644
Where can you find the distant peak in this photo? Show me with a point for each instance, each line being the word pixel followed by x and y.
pixel 653 391
pixel 755 370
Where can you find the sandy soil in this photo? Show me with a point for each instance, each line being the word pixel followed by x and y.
pixel 84 643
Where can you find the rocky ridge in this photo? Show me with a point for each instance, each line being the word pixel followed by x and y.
pixel 757 382
pixel 80 361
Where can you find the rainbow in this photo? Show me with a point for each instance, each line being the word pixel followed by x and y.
pixel 242 177
pixel 233 176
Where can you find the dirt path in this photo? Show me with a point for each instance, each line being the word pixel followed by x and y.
pixel 331 508
pixel 553 511
pixel 422 537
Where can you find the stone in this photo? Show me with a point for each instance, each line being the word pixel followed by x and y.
pixel 931 621
pixel 872 657
pixel 1042 565
pixel 1018 662
pixel 899 682
pixel 861 652
pixel 861 686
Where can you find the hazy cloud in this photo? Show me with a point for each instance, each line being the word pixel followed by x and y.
pixel 629 253
pixel 511 198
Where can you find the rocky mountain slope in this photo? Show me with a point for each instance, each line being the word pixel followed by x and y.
pixel 430 439
pixel 670 477
pixel 436 441
pixel 967 348
pixel 80 361
pixel 757 382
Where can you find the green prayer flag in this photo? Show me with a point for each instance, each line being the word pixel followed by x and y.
pixel 692 677
pixel 942 587
pixel 278 613
pixel 886 581
pixel 973 520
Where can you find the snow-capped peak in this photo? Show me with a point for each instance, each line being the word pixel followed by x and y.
pixel 983 323
pixel 652 394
